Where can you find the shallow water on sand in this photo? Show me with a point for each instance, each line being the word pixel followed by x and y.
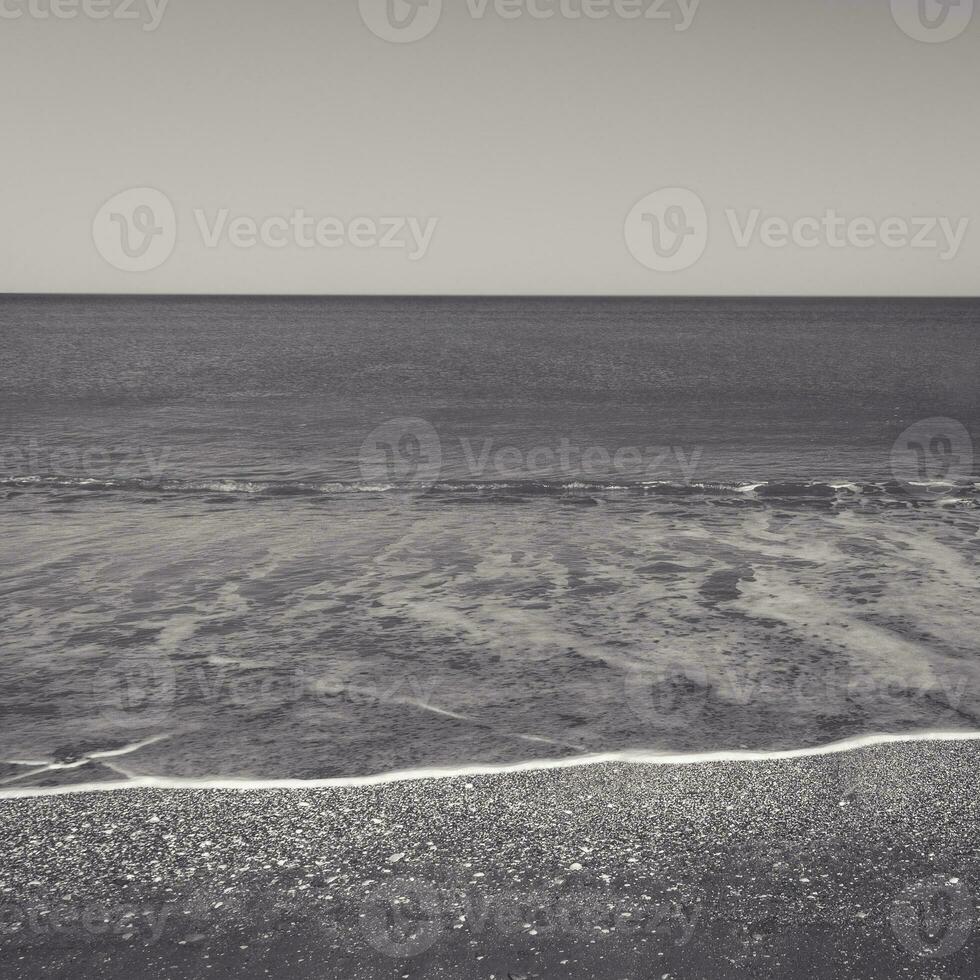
pixel 610 534
pixel 319 637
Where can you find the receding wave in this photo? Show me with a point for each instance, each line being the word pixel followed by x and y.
pixel 836 491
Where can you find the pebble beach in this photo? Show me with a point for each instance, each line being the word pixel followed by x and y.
pixel 854 864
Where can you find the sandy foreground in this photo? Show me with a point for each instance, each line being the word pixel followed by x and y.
pixel 858 864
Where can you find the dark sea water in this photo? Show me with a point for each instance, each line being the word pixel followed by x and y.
pixel 317 538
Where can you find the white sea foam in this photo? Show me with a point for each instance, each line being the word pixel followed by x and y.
pixel 415 775
pixel 41 766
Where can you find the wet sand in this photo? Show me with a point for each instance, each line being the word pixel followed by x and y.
pixel 854 864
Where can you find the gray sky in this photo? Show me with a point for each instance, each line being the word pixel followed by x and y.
pixel 517 145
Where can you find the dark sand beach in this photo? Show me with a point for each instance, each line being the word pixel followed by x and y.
pixel 856 864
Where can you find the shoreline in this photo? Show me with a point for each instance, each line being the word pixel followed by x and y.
pixel 639 758
pixel 816 865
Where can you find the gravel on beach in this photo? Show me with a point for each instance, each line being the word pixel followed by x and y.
pixel 859 864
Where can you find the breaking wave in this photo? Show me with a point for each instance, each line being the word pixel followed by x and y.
pixel 891 491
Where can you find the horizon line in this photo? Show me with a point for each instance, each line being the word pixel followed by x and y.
pixel 878 297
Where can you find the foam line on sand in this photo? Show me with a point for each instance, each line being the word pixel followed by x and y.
pixel 413 775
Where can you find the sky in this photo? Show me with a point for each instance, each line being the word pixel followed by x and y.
pixel 637 147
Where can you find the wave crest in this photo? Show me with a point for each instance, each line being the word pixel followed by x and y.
pixel 842 491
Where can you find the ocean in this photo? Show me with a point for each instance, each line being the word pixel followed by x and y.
pixel 321 538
